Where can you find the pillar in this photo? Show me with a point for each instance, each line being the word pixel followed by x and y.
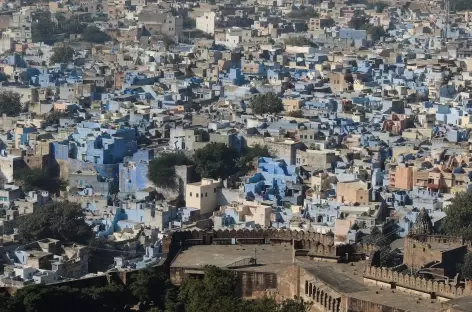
pixel 338 305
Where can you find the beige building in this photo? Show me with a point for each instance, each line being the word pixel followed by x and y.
pixel 250 211
pixel 292 105
pixel 203 196
pixel 206 22
pixel 316 159
pixel 352 192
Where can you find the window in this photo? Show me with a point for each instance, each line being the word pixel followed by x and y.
pixel 197 195
pixel 206 194
pixel 201 194
pixel 190 194
pixel 214 190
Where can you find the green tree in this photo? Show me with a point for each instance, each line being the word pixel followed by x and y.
pixel 294 305
pixel 359 21
pixel 40 298
pixel 466 267
pixel 296 114
pixel 458 220
pixel 59 220
pixel 329 22
pixel 378 6
pixel 216 292
pixel 215 160
pixel 150 286
pixel 10 103
pixel 299 41
pixel 42 28
pixel 62 54
pixel 303 13
pixel 39 179
pixel 161 170
pixel 167 42
pixel 268 103
pixel 461 5
pixel 95 35
pixel 189 23
pixel 53 117
pixel 249 155
pixel 109 297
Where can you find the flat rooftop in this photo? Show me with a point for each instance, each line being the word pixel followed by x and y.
pixel 348 278
pixel 459 304
pixel 398 300
pixel 270 258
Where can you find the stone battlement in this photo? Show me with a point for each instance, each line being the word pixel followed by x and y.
pixel 315 244
pixel 413 284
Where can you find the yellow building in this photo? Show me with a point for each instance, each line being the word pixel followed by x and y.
pixel 203 196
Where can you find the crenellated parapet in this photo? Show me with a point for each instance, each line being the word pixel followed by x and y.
pixel 417 283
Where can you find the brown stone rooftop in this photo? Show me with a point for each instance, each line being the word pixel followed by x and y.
pixel 269 258
pixel 342 278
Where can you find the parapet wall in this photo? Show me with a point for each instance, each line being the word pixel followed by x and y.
pixel 442 239
pixel 257 236
pixel 316 244
pixel 416 284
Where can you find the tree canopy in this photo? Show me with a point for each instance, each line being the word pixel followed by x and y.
pixel 59 220
pixel 150 286
pixel 268 103
pixel 62 54
pixel 39 179
pixel 161 170
pixel 466 267
pixel 53 117
pixel 10 103
pixel 461 5
pixel 299 41
pixel 378 6
pixel 303 13
pixel 361 22
pixel 95 35
pixel 250 154
pixel 458 221
pixel 217 292
pixel 215 160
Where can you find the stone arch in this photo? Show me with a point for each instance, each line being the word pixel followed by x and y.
pixel 314 291
pixel 306 287
pixel 317 296
pixel 310 289
pixel 330 300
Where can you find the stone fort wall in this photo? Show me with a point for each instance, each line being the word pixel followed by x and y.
pixel 315 244
pixel 413 284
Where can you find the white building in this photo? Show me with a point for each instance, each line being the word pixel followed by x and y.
pixel 206 22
